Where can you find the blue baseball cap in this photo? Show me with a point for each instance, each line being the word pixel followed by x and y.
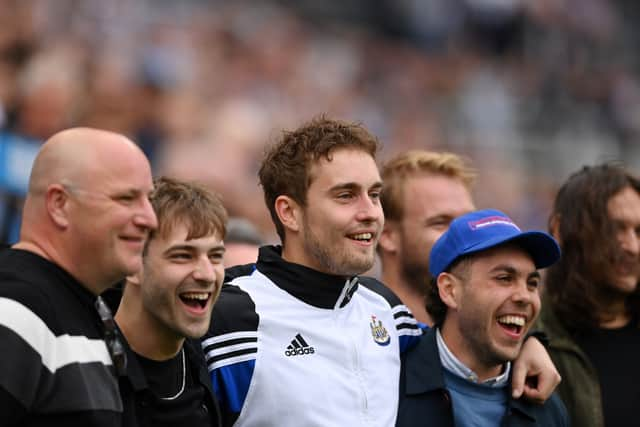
pixel 485 229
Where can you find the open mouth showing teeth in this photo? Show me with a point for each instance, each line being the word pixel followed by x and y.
pixel 515 324
pixel 363 237
pixel 195 299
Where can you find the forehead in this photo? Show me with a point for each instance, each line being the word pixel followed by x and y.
pixel 129 171
pixel 345 166
pixel 510 255
pixel 176 235
pixel 625 206
pixel 427 195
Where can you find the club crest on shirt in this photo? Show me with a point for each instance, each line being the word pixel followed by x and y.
pixel 379 332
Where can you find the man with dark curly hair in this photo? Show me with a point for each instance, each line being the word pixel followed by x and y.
pixel 592 306
pixel 484 299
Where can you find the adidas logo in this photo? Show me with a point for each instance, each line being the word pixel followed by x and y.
pixel 298 347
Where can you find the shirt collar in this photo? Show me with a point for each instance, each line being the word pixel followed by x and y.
pixel 452 364
pixel 311 286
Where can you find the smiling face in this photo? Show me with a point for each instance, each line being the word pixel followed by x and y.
pixel 110 218
pixel 180 281
pixel 340 225
pixel 624 211
pixel 431 202
pixel 493 302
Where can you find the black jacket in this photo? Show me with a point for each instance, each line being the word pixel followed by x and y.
pixel 424 399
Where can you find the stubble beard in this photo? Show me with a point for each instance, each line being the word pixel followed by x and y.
pixel 487 352
pixel 417 276
pixel 338 262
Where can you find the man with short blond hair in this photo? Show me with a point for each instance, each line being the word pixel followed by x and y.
pixel 423 192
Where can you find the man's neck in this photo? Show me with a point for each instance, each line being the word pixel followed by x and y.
pixel 614 314
pixel 409 295
pixel 144 335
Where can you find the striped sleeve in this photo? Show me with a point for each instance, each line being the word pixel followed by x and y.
pixel 230 349
pixel 406 325
pixel 408 329
pixel 42 371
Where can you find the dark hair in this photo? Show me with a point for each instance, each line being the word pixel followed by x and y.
pixel 177 202
pixel 580 222
pixel 436 308
pixel 285 169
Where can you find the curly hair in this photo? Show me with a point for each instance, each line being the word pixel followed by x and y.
pixel 286 166
pixel 581 223
pixel 397 170
pixel 177 202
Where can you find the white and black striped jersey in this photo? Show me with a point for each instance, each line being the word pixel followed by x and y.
pixel 55 369
pixel 290 346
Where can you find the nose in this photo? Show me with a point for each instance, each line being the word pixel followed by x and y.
pixel 630 241
pixel 146 217
pixel 204 271
pixel 369 209
pixel 522 294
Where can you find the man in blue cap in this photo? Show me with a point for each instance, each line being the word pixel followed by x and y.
pixel 484 297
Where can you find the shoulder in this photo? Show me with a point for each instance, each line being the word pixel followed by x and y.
pixel 234 322
pixel 233 311
pixel 406 326
pixel 236 271
pixel 381 289
pixel 24 277
pixel 23 296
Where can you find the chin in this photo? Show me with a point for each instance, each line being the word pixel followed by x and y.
pixel 130 265
pixel 626 285
pixel 355 270
pixel 507 354
pixel 196 332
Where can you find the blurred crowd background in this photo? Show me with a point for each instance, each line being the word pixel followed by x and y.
pixel 528 90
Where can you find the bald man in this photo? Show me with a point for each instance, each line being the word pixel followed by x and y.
pixel 85 221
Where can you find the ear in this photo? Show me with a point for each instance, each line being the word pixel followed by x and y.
pixel 449 289
pixel 289 212
pixel 390 237
pixel 56 202
pixel 554 227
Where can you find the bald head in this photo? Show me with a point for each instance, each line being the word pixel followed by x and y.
pixel 87 208
pixel 71 155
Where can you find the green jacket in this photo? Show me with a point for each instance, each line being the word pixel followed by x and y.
pixel 580 388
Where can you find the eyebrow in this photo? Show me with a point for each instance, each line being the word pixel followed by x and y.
pixel 188 247
pixel 218 248
pixel 438 218
pixel 354 186
pixel 512 270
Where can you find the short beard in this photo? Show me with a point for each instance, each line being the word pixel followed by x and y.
pixel 331 262
pixel 416 275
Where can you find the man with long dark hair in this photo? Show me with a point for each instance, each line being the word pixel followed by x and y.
pixel 591 306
